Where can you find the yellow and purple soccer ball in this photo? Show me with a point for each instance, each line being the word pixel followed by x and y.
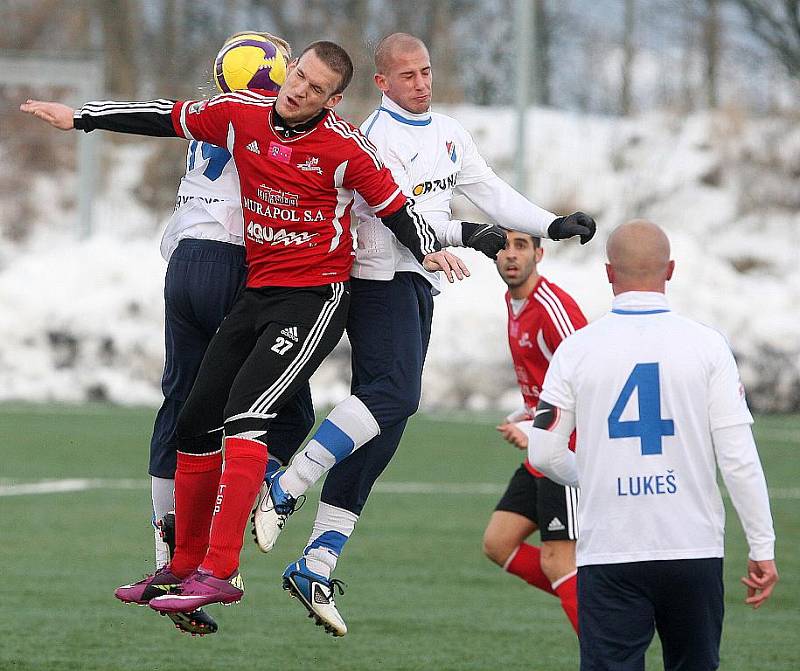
pixel 249 61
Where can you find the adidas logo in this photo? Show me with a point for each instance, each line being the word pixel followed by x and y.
pixel 290 332
pixel 555 525
pixel 253 146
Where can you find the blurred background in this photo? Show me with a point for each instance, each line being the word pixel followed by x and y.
pixel 682 111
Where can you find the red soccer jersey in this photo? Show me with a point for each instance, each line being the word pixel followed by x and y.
pixel 548 316
pixel 297 191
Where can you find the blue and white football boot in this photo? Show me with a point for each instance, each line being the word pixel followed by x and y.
pixel 315 592
pixel 273 509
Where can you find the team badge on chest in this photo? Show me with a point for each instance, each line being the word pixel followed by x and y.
pixel 450 146
pixel 311 164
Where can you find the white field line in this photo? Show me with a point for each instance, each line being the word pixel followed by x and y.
pixel 10 488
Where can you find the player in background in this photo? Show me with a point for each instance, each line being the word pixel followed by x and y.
pixel 299 167
pixel 431 157
pixel 203 244
pixel 658 406
pixel 540 316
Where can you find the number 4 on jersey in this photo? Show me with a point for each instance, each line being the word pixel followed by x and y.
pixel 650 427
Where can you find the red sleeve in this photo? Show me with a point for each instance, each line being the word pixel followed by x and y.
pixel 206 120
pixel 366 174
pixel 564 317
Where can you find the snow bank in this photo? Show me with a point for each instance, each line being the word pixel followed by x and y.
pixel 84 320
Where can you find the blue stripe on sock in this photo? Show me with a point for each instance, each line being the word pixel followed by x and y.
pixel 330 540
pixel 333 439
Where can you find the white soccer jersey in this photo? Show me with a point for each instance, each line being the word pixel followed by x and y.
pixel 208 205
pixel 648 387
pixel 431 156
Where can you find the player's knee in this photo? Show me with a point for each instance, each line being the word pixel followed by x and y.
pixel 496 547
pixel 408 403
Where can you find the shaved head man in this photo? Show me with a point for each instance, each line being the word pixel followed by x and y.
pixel 638 257
pixel 403 71
pixel 658 406
pixel 431 156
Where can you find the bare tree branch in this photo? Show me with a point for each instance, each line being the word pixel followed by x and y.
pixel 778 27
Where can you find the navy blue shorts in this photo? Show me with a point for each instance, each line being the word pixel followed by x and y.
pixel 621 606
pixel 389 327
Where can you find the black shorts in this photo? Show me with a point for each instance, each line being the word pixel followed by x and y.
pixel 265 350
pixel 552 507
pixel 623 605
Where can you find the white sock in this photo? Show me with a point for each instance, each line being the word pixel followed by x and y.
pixel 332 528
pixel 348 426
pixel 162 491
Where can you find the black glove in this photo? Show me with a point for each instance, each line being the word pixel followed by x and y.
pixel 486 238
pixel 577 223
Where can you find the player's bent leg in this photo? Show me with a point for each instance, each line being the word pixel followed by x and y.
pixel 389 330
pixel 347 427
pixel 514 519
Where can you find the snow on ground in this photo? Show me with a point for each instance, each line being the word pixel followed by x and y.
pixel 84 319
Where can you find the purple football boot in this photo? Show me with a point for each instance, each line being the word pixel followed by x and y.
pixel 159 583
pixel 198 590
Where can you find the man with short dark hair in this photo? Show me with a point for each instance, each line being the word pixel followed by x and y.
pixel 299 166
pixel 540 315
pixel 658 406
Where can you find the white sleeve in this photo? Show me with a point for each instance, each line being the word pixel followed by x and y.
pixel 504 205
pixel 557 389
pixel 507 207
pixel 737 458
pixel 727 404
pixel 548 451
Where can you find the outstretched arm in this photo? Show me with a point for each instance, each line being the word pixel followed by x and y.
pixel 153 117
pixel 511 210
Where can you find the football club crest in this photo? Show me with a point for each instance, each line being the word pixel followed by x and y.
pixel 196 108
pixel 451 150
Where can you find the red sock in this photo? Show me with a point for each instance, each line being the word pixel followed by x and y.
pixel 525 562
pixel 196 481
pixel 245 465
pixel 566 589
